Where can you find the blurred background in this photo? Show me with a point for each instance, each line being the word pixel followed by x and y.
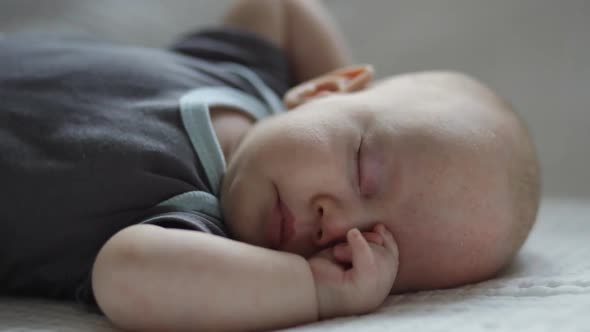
pixel 534 53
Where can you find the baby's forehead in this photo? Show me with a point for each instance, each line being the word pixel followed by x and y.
pixel 444 110
pixel 434 87
pixel 446 130
pixel 447 79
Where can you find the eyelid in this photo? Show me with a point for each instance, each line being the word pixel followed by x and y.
pixel 359 167
pixel 370 170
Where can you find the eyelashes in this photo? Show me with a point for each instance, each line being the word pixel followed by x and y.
pixel 359 166
pixel 369 169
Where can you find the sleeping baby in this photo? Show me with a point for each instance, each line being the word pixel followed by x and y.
pixel 249 177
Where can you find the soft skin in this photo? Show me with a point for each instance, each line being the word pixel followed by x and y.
pixel 419 153
pixel 429 194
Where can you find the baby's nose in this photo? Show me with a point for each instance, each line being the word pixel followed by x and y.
pixel 326 236
pixel 332 223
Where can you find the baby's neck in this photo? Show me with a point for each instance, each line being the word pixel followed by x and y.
pixel 230 126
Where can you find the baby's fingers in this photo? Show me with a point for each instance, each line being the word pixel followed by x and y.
pixel 373 237
pixel 363 260
pixel 388 240
pixel 343 251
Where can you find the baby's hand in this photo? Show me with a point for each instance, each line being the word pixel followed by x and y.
pixel 355 277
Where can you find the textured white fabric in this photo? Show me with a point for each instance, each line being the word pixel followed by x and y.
pixel 546 289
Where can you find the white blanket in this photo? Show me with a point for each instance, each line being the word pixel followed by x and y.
pixel 546 289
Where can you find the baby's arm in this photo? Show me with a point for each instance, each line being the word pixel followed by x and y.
pixel 149 278
pixel 303 28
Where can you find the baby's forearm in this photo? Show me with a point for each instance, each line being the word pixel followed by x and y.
pixel 151 278
pixel 303 28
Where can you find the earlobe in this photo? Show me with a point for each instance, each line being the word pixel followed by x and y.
pixel 345 80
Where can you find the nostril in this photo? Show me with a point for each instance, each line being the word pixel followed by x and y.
pixel 321 211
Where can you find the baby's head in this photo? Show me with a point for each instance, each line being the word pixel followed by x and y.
pixel 437 157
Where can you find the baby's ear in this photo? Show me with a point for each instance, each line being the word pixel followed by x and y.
pixel 345 80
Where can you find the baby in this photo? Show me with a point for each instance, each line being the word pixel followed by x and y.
pixel 358 190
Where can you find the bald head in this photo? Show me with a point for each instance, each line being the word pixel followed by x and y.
pixel 521 162
pixel 477 190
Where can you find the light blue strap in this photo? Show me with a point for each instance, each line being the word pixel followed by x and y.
pixel 224 96
pixel 275 105
pixel 197 123
pixel 196 119
pixel 195 200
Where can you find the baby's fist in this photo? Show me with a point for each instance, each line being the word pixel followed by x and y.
pixel 355 277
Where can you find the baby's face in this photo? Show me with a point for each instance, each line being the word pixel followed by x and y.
pixel 414 153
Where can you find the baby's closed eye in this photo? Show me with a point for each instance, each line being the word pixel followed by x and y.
pixel 369 168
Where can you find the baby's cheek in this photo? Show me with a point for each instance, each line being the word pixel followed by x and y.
pixel 404 278
pixel 415 254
